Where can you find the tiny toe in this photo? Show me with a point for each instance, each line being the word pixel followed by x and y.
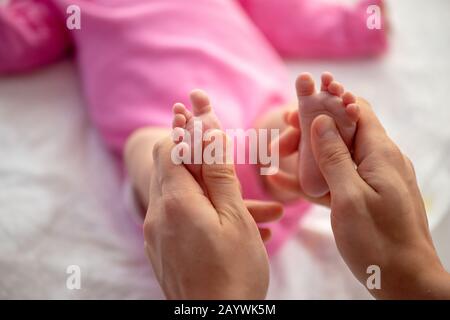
pixel 327 78
pixel 335 88
pixel 352 110
pixel 305 85
pixel 348 98
pixel 200 102
pixel 179 108
pixel 179 120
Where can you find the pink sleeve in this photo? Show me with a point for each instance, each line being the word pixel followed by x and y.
pixel 315 29
pixel 32 34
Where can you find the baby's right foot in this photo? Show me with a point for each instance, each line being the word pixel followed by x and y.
pixel 185 120
pixel 333 102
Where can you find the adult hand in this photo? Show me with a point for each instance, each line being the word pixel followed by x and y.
pixel 377 212
pixel 205 247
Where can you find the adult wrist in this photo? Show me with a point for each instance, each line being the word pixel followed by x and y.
pixel 428 282
pixel 436 285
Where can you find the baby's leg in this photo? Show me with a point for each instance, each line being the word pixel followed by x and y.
pixel 315 28
pixel 138 159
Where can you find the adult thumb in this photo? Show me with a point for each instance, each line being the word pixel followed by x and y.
pixel 332 155
pixel 219 176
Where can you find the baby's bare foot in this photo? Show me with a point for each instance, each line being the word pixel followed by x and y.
pixel 185 120
pixel 331 101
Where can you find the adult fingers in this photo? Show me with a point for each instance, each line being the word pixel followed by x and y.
pixel 220 178
pixel 333 156
pixel 264 211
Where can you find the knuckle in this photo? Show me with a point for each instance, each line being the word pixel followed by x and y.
pixel 334 156
pixel 171 202
pixel 391 153
pixel 220 174
pixel 352 200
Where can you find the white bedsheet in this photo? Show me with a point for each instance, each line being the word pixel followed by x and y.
pixel 59 188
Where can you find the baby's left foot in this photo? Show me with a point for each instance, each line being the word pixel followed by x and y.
pixel 333 102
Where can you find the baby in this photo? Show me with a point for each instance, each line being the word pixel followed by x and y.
pixel 136 57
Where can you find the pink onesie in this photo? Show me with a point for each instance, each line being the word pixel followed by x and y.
pixel 137 57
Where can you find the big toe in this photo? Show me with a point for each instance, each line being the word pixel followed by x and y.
pixel 305 85
pixel 200 102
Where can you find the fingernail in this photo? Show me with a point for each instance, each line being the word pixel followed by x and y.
pixel 326 128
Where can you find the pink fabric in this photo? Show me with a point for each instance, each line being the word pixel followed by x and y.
pixel 31 35
pixel 316 29
pixel 137 57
